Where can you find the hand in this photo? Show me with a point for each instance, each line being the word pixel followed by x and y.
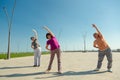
pixel 34 30
pixel 45 27
pixel 32 47
pixel 94 25
pixel 48 49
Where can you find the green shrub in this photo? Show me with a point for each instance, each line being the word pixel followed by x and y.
pixel 20 54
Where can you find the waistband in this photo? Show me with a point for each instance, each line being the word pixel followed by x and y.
pixel 104 50
pixel 55 49
pixel 37 48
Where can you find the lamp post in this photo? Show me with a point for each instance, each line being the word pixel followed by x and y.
pixel 9 26
pixel 84 38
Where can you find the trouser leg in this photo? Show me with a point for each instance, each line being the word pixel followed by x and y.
pixel 39 55
pixel 51 59
pixel 59 59
pixel 109 58
pixel 35 57
pixel 100 59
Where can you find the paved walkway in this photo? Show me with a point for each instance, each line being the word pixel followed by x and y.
pixel 75 66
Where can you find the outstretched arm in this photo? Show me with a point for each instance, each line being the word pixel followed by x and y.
pixel 97 29
pixel 46 28
pixel 35 33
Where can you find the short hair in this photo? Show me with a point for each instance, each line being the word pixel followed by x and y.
pixel 32 37
pixel 48 35
pixel 96 34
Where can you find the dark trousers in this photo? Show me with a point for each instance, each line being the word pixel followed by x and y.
pixel 102 54
pixel 52 55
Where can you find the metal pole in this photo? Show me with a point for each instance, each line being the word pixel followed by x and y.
pixel 8 52
pixel 84 38
pixel 9 26
pixel 84 43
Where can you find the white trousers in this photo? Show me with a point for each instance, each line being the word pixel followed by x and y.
pixel 37 55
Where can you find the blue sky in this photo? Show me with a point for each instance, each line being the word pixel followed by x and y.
pixel 68 19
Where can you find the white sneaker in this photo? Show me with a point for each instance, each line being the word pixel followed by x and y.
pixel 47 71
pixel 59 72
pixel 109 70
pixel 97 69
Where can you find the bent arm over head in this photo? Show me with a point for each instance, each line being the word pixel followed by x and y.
pixel 46 28
pixel 94 26
pixel 35 33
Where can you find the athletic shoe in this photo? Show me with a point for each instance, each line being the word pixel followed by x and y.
pixel 109 70
pixel 38 66
pixel 97 69
pixel 47 71
pixel 59 72
pixel 34 65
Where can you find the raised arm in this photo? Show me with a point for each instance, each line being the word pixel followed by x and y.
pixel 97 29
pixel 46 28
pixel 35 33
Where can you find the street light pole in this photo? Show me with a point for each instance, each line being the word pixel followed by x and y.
pixel 8 51
pixel 9 26
pixel 84 38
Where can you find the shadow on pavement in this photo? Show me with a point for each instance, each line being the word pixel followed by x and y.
pixel 72 73
pixel 22 75
pixel 16 67
pixel 54 74
pixel 90 72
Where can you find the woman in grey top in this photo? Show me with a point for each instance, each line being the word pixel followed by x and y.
pixel 37 49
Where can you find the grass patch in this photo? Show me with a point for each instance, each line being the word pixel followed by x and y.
pixel 20 54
